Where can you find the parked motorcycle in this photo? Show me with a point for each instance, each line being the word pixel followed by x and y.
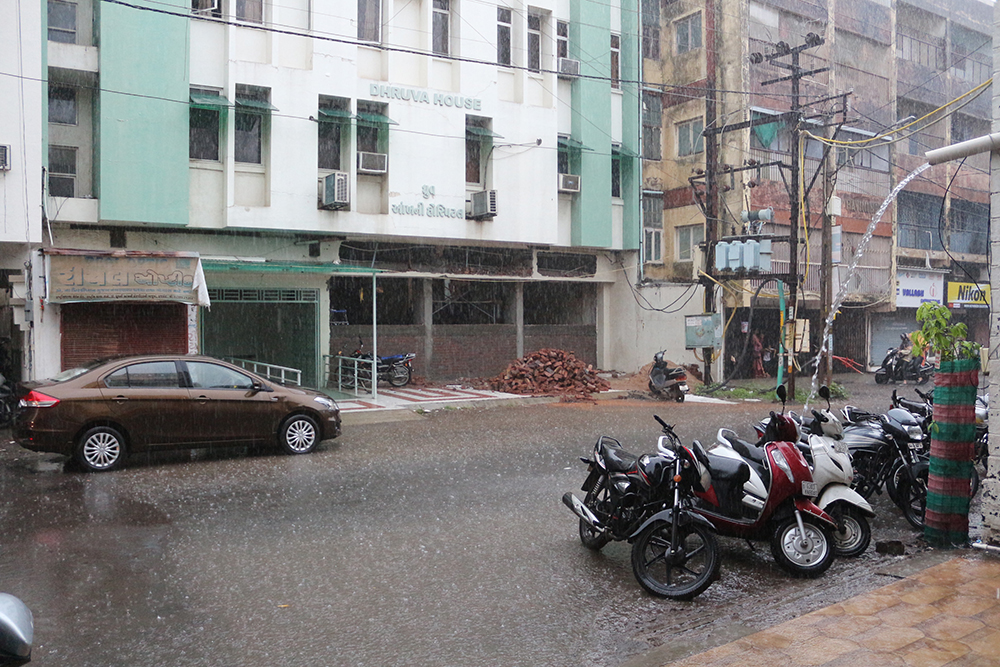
pixel 897 368
pixel 396 369
pixel 821 441
pixel 646 500
pixel 766 493
pixel 7 402
pixel 667 381
pixel 887 452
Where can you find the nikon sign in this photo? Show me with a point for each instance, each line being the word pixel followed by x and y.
pixel 968 295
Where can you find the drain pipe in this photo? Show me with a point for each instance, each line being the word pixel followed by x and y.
pixel 989 142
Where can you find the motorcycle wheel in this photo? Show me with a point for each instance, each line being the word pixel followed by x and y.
pixel 679 398
pixel 881 377
pixel 588 536
pixel 810 557
pixel 913 500
pixel 854 534
pixel 682 575
pixel 863 483
pixel 400 375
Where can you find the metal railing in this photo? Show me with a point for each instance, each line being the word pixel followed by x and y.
pixel 922 49
pixel 282 374
pixel 350 374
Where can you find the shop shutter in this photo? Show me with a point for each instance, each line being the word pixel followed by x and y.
pixel 97 330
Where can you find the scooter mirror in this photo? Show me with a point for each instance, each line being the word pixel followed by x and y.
pixel 824 393
pixel 782 393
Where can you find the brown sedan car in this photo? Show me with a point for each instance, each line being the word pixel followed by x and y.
pixel 101 412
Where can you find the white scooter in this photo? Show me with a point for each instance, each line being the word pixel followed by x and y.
pixel 830 461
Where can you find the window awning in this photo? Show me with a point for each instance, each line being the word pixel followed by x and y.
pixel 257 106
pixel 569 143
pixel 215 264
pixel 618 152
pixel 335 115
pixel 482 132
pixel 209 100
pixel 369 118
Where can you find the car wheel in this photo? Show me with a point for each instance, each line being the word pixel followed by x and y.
pixel 100 449
pixel 299 434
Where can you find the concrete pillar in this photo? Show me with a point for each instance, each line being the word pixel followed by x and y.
pixel 519 317
pixel 427 317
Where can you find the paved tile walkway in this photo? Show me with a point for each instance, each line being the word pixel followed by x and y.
pixel 948 614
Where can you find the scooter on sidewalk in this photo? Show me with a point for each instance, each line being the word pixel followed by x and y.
pixel 667 381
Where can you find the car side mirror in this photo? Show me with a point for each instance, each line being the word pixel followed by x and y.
pixel 17 628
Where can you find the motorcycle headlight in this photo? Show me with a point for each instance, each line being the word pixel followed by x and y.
pixel 327 403
pixel 779 460
pixel 914 432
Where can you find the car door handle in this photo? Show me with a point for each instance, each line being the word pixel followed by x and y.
pixel 202 399
pixel 119 399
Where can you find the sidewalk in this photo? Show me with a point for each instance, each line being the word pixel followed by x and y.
pixel 947 614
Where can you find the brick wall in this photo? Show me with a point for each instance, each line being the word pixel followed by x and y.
pixel 580 339
pixel 472 350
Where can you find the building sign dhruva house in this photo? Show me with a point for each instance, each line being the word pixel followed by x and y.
pixel 424 97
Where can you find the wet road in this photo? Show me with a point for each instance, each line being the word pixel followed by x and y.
pixel 435 542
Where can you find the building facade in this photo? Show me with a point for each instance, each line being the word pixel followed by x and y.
pixel 227 176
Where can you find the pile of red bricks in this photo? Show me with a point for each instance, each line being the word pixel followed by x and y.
pixel 550 372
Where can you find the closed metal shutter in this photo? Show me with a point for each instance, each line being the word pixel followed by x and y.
pixel 97 330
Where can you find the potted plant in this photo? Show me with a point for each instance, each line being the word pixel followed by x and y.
pixel 946 517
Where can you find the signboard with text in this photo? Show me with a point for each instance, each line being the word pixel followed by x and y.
pixel 109 277
pixel 914 287
pixel 968 295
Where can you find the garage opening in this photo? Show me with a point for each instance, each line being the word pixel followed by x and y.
pixel 93 331
pixel 274 326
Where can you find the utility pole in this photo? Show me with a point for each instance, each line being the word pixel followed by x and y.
pixel 795 191
pixel 711 171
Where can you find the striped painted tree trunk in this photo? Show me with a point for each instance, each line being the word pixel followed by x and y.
pixel 946 520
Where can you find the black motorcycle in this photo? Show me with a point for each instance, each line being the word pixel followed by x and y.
pixel 887 453
pixel 396 369
pixel 897 368
pixel 647 500
pixel 667 381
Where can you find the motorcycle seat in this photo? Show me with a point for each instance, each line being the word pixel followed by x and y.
pixel 748 450
pixel 725 469
pixel 618 460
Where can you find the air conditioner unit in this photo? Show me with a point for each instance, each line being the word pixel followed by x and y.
pixel 336 191
pixel 483 205
pixel 4 158
pixel 205 6
pixel 569 68
pixel 569 183
pixel 373 163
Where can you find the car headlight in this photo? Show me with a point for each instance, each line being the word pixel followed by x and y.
pixel 327 403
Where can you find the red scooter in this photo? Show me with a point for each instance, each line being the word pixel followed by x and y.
pixel 766 492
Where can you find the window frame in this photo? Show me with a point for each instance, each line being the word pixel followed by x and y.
pixel 334 125
pixel 71 99
pixel 691 130
pixel 562 39
pixel 686 38
pixel 441 19
pixel 62 30
pixel 616 60
pixel 479 137
pixel 652 127
pixel 505 35
pixel 650 18
pixel 534 45
pixel 242 13
pixel 253 103
pixel 685 249
pixel 66 176
pixel 652 233
pixel 366 131
pixel 204 109
pixel 616 172
pixel 369 25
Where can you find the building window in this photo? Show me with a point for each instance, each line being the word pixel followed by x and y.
pixel 253 112
pixel 441 37
pixel 369 20
pixel 373 127
pixel 334 119
pixel 616 53
pixel 62 22
pixel 62 105
pixel 562 39
pixel 688 238
pixel 616 171
pixel 503 35
pixel 62 171
pixel 970 227
pixel 917 220
pixel 652 222
pixel 689 139
pixel 207 7
pixel 688 31
pixel 652 121
pixel 478 146
pixel 651 29
pixel 205 122
pixel 251 11
pixel 535 42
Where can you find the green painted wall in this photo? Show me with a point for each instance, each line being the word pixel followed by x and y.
pixel 141 151
pixel 590 40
